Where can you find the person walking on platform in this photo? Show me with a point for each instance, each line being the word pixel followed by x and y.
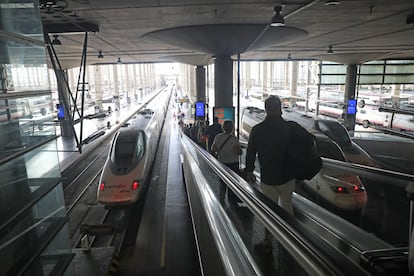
pixel 269 140
pixel 212 131
pixel 228 151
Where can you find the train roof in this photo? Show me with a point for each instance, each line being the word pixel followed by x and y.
pixel 141 119
pixel 260 114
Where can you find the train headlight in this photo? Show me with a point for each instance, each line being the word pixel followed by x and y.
pixel 339 189
pixel 102 186
pixel 359 188
pixel 135 185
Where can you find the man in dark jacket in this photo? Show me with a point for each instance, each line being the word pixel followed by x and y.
pixel 269 140
pixel 212 131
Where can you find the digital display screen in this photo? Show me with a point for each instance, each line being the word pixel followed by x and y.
pixel 61 111
pixel 199 109
pixel 352 106
pixel 224 113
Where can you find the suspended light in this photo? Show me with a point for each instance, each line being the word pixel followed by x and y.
pixel 330 51
pixel 277 19
pixel 119 61
pixel 100 55
pixel 56 40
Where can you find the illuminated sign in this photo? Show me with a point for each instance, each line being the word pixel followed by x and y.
pixel 224 113
pixel 61 111
pixel 352 106
pixel 200 110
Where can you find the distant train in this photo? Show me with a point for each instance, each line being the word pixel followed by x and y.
pixel 127 168
pixel 343 190
pixel 330 109
pixel 367 114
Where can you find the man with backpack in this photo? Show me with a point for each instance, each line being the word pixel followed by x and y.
pixel 276 143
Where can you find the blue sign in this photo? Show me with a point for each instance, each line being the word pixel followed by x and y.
pixel 352 106
pixel 61 111
pixel 200 109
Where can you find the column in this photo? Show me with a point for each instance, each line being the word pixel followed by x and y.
pixel 191 83
pixel 248 78
pixel 127 84
pixel 265 86
pixel 98 88
pixel 286 75
pixel 63 92
pixel 395 95
pixel 135 81
pixel 116 87
pixel 201 83
pixel 294 79
pixel 350 85
pixel 271 76
pixel 223 81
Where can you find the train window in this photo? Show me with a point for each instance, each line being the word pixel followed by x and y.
pixel 140 146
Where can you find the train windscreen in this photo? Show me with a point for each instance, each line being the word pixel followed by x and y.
pixel 124 151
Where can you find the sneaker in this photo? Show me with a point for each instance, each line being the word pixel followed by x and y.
pixel 264 246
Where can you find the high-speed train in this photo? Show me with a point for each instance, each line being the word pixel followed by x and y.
pixel 368 114
pixel 127 168
pixel 343 190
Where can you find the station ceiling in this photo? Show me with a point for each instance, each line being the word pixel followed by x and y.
pixel 195 31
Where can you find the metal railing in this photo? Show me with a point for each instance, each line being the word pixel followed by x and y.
pixel 313 255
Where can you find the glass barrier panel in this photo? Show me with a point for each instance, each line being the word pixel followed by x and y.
pixel 20 241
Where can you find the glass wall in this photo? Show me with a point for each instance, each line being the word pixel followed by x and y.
pixel 26 111
pixel 33 236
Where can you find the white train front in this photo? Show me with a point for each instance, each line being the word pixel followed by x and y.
pixel 127 169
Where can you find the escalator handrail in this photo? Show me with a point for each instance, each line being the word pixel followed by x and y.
pixel 234 256
pixel 280 224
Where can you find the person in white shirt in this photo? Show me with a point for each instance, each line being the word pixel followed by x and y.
pixel 228 150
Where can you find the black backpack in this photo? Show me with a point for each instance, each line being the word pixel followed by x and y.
pixel 303 159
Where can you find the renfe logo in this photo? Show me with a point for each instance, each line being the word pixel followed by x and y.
pixel 117 186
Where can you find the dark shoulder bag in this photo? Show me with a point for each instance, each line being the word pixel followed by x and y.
pixel 303 159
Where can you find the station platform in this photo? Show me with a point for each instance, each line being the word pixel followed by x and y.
pixel 103 261
pixel 162 256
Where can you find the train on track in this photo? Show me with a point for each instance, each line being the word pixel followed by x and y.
pixel 368 114
pixel 128 166
pixel 343 190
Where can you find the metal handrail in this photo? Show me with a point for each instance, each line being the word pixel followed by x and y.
pixel 235 257
pixel 277 222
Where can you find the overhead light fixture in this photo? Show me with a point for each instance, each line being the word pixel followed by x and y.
pixel 277 19
pixel 332 2
pixel 289 56
pixel 330 51
pixel 100 55
pixel 56 40
pixel 119 61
